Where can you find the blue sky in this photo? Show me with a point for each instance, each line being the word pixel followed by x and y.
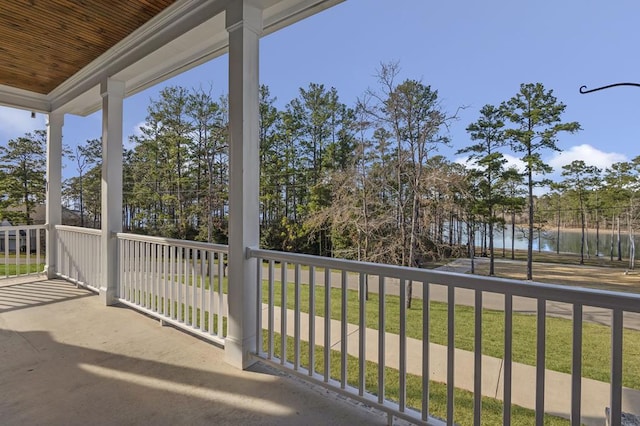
pixel 472 52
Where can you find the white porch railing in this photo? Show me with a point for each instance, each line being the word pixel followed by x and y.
pixel 179 282
pixel 21 250
pixel 79 255
pixel 325 350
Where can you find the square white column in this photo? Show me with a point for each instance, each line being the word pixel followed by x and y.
pixel 244 24
pixel 54 190
pixel 112 98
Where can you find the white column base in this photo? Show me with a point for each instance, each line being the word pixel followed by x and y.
pixel 50 271
pixel 237 353
pixel 108 296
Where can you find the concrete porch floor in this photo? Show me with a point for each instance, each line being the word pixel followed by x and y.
pixel 67 360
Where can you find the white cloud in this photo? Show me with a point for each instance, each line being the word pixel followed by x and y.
pixel 587 153
pixel 17 122
pixel 511 162
pixel 137 129
pixel 514 162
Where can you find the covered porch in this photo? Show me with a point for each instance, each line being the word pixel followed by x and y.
pixel 68 359
pixel 285 322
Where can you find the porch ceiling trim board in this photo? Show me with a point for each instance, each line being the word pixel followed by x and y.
pixel 185 34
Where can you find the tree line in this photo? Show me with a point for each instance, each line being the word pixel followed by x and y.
pixel 363 181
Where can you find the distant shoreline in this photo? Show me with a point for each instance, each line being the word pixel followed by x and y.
pixel 551 229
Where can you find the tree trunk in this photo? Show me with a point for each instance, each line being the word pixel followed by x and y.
pixel 513 235
pixel 613 227
pixel 491 263
pixel 558 232
pixel 413 246
pixel 530 240
pixel 582 237
pixel 619 240
pixel 597 234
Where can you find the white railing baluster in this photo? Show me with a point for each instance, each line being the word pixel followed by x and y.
pixel 195 280
pixel 212 293
pixel 165 281
pixel 508 366
pixel 135 280
pixel 127 265
pixel 221 262
pixel 28 251
pixel 451 335
pixel 477 360
pixel 362 334
pixel 179 285
pixel 17 249
pixel 271 310
pixel 283 312
pixel 145 274
pixel 426 338
pixel 203 299
pixel 153 259
pixel 194 287
pixel 172 283
pixel 327 324
pixel 259 335
pixel 344 322
pixel 187 286
pixel 616 367
pixel 6 254
pixel 381 338
pixel 121 272
pixel 312 320
pixel 541 344
pixel 296 318
pixel 576 366
pixel 38 243
pixel 402 342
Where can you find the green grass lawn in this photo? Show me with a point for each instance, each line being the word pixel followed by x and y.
pixel 596 338
pixel 463 406
pixel 21 269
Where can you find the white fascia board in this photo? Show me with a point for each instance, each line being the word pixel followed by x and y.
pixel 287 12
pixel 24 99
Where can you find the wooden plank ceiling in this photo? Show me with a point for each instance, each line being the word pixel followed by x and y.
pixel 44 42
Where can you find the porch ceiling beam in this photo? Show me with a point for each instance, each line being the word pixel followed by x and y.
pixel 23 99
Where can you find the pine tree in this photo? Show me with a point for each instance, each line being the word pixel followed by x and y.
pixel 536 117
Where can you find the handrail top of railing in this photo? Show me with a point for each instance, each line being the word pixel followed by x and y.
pixel 79 229
pixel 554 292
pixel 173 242
pixel 21 227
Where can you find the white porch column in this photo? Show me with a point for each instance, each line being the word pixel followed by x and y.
pixel 112 96
pixel 54 192
pixel 244 24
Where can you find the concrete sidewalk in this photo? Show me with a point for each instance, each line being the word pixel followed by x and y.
pixel 595 394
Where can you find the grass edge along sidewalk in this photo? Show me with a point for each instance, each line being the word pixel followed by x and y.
pixel 491 408
pixel 596 338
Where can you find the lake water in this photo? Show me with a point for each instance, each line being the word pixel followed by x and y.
pixel 569 241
